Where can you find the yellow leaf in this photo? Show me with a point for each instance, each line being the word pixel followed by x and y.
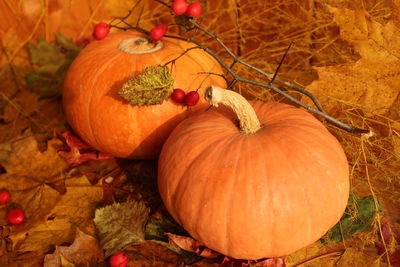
pixel 371 83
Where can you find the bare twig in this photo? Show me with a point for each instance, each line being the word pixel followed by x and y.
pixel 236 78
pixel 268 75
pixel 330 254
pixel 280 64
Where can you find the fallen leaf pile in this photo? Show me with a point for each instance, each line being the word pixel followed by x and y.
pixel 82 205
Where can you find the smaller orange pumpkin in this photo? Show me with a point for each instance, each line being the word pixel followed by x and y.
pixel 102 118
pixel 267 188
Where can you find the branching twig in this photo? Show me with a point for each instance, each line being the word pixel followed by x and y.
pixel 236 78
pixel 268 75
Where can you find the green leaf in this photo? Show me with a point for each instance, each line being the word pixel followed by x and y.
pixel 156 228
pixel 45 53
pixel 67 43
pixel 358 216
pixel 52 62
pixel 121 225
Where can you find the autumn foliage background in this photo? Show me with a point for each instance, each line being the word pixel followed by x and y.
pixel 345 52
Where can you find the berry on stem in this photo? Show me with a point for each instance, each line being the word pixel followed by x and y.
pixel 179 7
pixel 5 197
pixel 101 30
pixel 158 32
pixel 194 10
pixel 178 95
pixel 119 259
pixel 16 216
pixel 191 98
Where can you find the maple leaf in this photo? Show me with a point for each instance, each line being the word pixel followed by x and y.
pixel 33 178
pixel 83 251
pixel 54 202
pixel 120 225
pixel 371 83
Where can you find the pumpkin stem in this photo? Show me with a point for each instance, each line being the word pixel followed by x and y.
pixel 249 122
pixel 139 45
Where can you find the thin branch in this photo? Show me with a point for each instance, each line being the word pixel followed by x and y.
pixel 163 3
pixel 280 64
pixel 237 78
pixel 330 254
pixel 181 55
pixel 268 75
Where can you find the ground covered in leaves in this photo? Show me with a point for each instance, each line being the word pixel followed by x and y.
pixel 80 210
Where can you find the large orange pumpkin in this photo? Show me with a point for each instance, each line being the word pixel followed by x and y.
pixel 272 186
pixel 100 116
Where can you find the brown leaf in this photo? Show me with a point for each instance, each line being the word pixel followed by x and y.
pixel 54 202
pixel 28 178
pixel 189 244
pixel 120 225
pixel 83 251
pixel 372 82
pixel 185 242
pixel 148 254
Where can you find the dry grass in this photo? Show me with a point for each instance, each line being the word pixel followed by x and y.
pixel 258 32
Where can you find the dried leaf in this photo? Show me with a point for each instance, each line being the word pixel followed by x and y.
pixel 53 204
pixel 371 82
pixel 150 254
pixel 31 178
pixel 149 87
pixel 83 251
pixel 78 151
pixel 392 244
pixel 185 242
pixel 120 225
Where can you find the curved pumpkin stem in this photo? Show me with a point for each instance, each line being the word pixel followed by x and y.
pixel 249 122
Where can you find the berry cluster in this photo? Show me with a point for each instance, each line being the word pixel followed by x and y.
pixel 14 216
pixel 180 7
pixel 189 99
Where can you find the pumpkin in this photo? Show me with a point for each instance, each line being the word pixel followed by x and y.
pixel 102 118
pixel 264 187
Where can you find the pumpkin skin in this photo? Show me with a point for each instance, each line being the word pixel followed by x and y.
pixel 253 196
pixel 107 122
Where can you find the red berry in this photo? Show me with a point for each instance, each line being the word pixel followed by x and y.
pixel 163 27
pixel 194 10
pixel 191 98
pixel 119 259
pixel 16 216
pixel 5 197
pixel 158 32
pixel 83 41
pixel 101 30
pixel 178 95
pixel 179 7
